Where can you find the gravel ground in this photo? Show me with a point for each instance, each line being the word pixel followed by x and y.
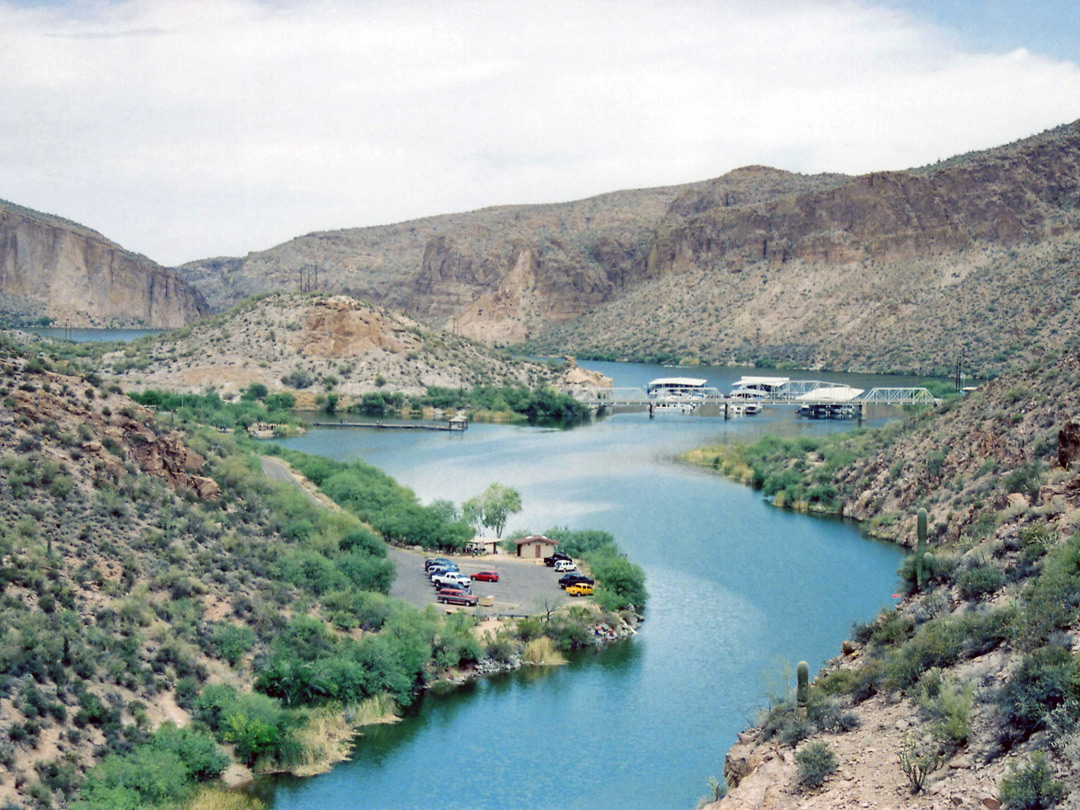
pixel 524 586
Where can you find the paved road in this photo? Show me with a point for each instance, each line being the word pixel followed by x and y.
pixel 524 587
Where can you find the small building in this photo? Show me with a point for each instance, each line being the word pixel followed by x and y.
pixel 536 547
pixel 483 545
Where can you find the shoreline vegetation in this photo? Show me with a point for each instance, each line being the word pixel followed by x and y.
pixel 257 405
pixel 167 610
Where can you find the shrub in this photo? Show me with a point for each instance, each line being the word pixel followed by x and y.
pixel 1037 687
pixel 621 582
pixel 975 583
pixel 948 707
pixel 1031 786
pixel 816 761
pixel 918 762
pixel 232 641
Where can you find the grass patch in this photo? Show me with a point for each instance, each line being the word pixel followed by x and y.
pixel 543 653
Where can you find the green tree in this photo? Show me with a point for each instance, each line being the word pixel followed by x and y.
pixel 492 507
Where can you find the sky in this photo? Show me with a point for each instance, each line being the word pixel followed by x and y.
pixel 187 129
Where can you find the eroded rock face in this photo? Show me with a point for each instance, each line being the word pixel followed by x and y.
pixel 342 327
pixel 1068 445
pixel 889 216
pixel 79 278
pixel 116 430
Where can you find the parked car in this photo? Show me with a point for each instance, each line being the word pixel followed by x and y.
pixel 441 569
pixel 486 576
pixel 455 596
pixel 562 566
pixel 431 562
pixel 574 578
pixel 555 557
pixel 581 589
pixel 453 579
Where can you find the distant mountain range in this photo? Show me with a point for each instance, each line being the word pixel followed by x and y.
pixel 890 271
pixel 976 256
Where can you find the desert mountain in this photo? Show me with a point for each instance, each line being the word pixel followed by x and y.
pixel 50 267
pixel 499 275
pixel 886 271
pixel 316 343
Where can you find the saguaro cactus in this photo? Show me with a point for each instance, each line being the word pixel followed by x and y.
pixel 802 691
pixel 922 572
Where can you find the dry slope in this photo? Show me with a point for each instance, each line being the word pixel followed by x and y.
pixel 317 342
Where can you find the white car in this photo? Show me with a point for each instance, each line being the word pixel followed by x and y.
pixel 453 579
pixel 562 566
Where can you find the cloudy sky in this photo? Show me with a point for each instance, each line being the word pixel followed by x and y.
pixel 185 129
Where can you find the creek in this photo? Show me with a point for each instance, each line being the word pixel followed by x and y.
pixel 740 591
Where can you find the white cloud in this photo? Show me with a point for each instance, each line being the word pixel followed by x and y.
pixel 190 128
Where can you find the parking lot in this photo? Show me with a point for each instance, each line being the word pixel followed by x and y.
pixel 525 587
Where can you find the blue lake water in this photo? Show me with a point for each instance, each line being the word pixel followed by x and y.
pixel 739 591
pixel 91 335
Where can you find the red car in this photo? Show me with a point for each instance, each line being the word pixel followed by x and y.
pixel 486 576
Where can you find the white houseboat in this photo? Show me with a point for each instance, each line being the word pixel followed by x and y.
pixel 676 387
pixel 752 388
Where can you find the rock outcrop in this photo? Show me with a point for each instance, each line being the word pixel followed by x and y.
pixel 54 268
pixel 115 428
pixel 310 344
pixel 890 271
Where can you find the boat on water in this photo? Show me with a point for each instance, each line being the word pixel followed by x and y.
pixel 751 388
pixel 672 387
pixel 746 408
pixel 673 407
pixel 675 394
pixel 829 410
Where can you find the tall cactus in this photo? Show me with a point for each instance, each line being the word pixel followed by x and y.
pixel 922 573
pixel 802 691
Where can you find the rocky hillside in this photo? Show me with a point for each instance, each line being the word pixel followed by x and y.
pixel 316 343
pixel 103 515
pixel 969 687
pixel 891 271
pixel 499 275
pixel 53 268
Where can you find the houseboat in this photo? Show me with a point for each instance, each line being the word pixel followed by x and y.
pixel 753 388
pixel 676 387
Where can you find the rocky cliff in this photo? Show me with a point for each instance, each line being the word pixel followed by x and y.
pixel 890 271
pixel 50 267
pixel 499 274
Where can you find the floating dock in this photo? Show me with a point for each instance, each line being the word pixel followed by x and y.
pixel 453 426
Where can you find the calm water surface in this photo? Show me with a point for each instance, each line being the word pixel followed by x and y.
pixel 739 590
pixel 91 335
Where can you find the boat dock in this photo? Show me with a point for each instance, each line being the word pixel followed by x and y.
pixel 453 426
pixel 814 398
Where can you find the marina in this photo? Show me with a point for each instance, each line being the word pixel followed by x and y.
pixel 816 399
